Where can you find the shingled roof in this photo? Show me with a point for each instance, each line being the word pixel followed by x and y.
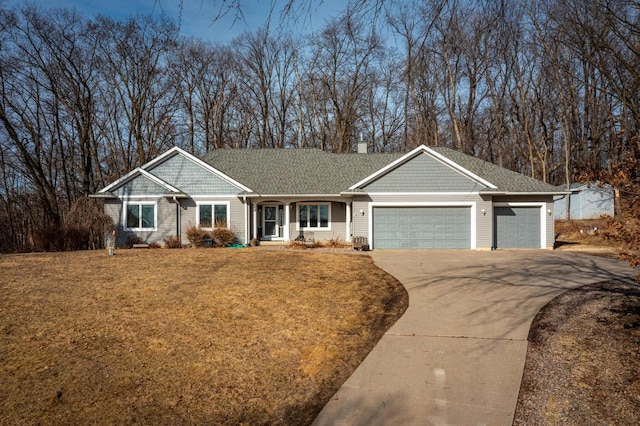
pixel 506 180
pixel 313 171
pixel 296 171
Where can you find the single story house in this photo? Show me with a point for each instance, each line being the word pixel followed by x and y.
pixel 431 197
pixel 587 201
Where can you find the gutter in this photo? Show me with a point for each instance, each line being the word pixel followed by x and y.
pixel 178 218
pixel 103 195
pixel 255 195
pixel 524 193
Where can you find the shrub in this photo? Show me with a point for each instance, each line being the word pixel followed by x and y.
pixel 222 237
pixel 196 235
pixel 336 242
pixel 134 239
pixel 86 224
pixel 297 245
pixel 154 245
pixel 49 238
pixel 172 242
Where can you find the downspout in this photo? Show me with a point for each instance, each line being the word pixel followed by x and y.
pixel 246 220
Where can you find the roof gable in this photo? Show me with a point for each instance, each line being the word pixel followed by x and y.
pixel 192 177
pixel 424 173
pixel 430 165
pixel 140 182
pixel 179 160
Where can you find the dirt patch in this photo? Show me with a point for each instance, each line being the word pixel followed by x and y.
pixel 583 359
pixel 200 336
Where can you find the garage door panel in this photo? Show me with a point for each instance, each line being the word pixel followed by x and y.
pixel 517 227
pixel 422 227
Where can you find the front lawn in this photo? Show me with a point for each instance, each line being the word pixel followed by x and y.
pixel 201 336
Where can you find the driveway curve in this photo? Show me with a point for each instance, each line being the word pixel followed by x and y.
pixel 457 355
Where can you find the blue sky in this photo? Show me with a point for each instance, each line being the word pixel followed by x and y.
pixel 197 15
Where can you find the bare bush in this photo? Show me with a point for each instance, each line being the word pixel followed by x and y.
pixel 197 235
pixel 172 242
pixel 223 237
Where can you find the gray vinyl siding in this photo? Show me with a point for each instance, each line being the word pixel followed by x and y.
pixel 423 173
pixel 139 185
pixel 484 224
pixel 338 222
pixel 360 224
pixel 165 226
pixel 236 216
pixel 192 178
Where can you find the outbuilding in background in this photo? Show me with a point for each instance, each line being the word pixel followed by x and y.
pixel 587 201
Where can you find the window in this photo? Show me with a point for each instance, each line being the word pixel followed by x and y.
pixel 313 216
pixel 140 215
pixel 212 215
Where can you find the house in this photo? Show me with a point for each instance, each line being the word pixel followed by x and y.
pixel 587 201
pixel 431 197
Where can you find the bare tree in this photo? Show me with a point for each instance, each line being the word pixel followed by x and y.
pixel 137 90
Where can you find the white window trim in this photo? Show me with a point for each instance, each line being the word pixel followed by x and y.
pixel 472 205
pixel 213 203
pixel 317 228
pixel 543 217
pixel 126 204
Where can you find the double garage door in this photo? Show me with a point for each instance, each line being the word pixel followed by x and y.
pixel 422 227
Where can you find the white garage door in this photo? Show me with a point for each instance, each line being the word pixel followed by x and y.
pixel 422 227
pixel 517 227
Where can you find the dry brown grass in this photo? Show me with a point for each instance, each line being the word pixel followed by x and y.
pixel 582 231
pixel 209 336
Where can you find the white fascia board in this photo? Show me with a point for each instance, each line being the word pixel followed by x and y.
pixel 413 153
pixel 123 179
pixel 196 160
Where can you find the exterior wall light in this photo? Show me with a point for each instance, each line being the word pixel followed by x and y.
pixel 361 212
pixel 484 212
pixel 549 212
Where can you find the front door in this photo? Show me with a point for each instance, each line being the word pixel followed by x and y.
pixel 270 225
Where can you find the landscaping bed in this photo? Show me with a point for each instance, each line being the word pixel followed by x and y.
pixel 583 359
pixel 188 336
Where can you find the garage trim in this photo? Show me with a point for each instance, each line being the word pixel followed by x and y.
pixel 543 219
pixel 423 204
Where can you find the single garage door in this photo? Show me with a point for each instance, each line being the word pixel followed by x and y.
pixel 422 227
pixel 517 227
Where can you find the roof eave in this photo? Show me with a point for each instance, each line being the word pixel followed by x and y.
pixel 176 195
pixel 103 195
pixel 257 195
pixel 530 193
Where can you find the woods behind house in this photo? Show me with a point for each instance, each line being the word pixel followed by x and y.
pixel 548 88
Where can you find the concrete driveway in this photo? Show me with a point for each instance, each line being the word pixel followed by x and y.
pixel 457 355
